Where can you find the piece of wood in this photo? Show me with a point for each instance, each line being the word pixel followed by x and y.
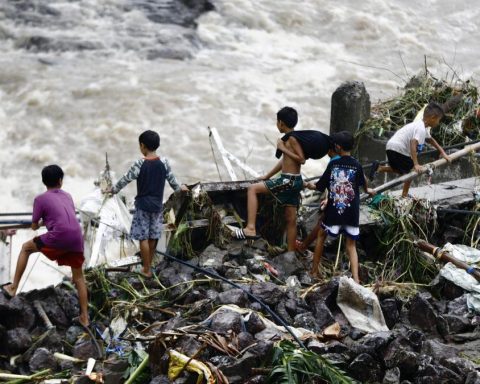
pixel 446 257
pixel 223 152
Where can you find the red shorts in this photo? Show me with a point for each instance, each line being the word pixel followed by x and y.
pixel 61 256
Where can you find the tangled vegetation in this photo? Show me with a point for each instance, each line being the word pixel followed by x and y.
pixel 294 366
pixel 458 98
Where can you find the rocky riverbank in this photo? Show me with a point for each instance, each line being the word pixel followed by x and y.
pixel 431 337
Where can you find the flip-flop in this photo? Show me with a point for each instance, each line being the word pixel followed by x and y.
pixel 240 234
pixel 5 292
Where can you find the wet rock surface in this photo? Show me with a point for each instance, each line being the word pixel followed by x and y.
pixel 213 322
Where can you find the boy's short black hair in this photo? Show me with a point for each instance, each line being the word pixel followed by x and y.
pixel 434 109
pixel 51 175
pixel 343 139
pixel 150 139
pixel 288 116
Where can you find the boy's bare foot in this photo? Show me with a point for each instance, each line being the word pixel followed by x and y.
pixel 82 320
pixel 315 274
pixel 299 247
pixel 9 290
pixel 147 275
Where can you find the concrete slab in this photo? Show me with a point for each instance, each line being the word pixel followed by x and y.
pixel 445 194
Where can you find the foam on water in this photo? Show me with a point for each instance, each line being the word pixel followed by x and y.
pixel 82 78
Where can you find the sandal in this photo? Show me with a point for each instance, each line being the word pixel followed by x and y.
pixel 240 234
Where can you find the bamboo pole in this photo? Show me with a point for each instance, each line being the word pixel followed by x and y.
pixel 413 174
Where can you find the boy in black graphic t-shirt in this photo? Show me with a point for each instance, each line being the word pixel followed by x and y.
pixel 342 178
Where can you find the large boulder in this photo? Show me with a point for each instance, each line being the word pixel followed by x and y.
pixel 212 257
pixel 422 314
pixel 233 296
pixel 365 368
pixel 18 340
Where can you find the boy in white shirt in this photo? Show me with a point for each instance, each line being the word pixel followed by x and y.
pixel 409 140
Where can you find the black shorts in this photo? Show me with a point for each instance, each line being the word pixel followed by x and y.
pixel 399 163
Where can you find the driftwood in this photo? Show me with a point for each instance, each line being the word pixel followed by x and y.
pixel 445 257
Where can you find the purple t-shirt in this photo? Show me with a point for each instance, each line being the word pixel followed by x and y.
pixel 56 209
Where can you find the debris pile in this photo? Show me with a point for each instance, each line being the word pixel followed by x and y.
pixel 459 99
pixel 183 325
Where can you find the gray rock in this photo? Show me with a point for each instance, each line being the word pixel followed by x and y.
pixel 84 350
pixel 21 313
pixel 212 257
pixel 281 311
pixel 254 266
pixel 244 339
pixel 327 294
pixel 233 296
pixel 336 347
pixel 18 340
pixel 307 321
pixel 365 368
pixel 350 106
pixel 240 369
pixel 114 369
pixel 473 378
pixel 42 359
pixel 287 264
pixel 377 341
pixel 268 292
pixel 457 324
pixel 458 306
pixel 398 355
pixel 460 366
pixel 421 312
pixel 392 376
pixel 226 320
pixel 254 323
pixel 73 334
pixel 262 348
pixel 269 334
pixel 162 379
pixel 317 346
pixel 431 373
pixel 188 345
pixel 390 311
pixel 322 314
pixel 438 350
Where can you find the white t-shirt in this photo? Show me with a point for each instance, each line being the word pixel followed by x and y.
pixel 400 141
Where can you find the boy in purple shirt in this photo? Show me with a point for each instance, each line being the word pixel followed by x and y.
pixel 63 242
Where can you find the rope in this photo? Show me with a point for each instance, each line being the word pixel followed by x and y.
pixel 253 297
pixel 213 155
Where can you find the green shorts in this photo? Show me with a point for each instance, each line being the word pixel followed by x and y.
pixel 286 188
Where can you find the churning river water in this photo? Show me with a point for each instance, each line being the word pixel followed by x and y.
pixel 79 78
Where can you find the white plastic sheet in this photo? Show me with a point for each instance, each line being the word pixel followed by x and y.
pixel 460 277
pixel 360 306
pixel 106 222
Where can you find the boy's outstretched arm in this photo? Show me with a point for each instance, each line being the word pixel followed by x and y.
pixel 439 148
pixel 277 168
pixel 131 175
pixel 172 180
pixel 296 151
pixel 368 190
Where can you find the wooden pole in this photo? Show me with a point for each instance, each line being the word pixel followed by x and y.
pixel 447 258
pixel 413 174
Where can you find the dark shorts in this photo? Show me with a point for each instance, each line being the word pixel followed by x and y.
pixel 61 256
pixel 399 163
pixel 286 188
pixel 146 225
